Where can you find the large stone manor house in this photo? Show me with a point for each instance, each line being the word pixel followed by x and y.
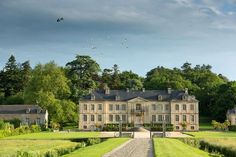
pixel 139 107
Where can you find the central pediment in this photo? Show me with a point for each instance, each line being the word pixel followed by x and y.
pixel 138 99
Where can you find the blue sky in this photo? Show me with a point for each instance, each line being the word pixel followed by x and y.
pixel 137 35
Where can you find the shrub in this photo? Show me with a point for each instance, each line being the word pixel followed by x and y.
pixel 35 128
pixel 16 122
pixel 2 124
pixel 15 99
pixel 232 128
pixel 92 141
pixel 159 127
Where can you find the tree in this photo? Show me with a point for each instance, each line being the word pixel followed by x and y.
pixel 10 77
pixel 48 87
pixel 83 73
pixel 130 80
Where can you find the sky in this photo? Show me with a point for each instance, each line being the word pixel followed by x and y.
pixel 137 35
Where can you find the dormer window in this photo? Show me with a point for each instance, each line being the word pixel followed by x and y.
pixel 28 110
pixel 184 97
pixel 117 97
pixel 92 97
pixel 159 97
pixel 39 110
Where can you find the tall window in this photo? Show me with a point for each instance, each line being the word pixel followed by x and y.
pixel 123 107
pixel 138 106
pixel 167 107
pixel 192 107
pixel 153 107
pixel 154 118
pixel 92 118
pixel 167 118
pixel 99 118
pixel 159 118
pixel 85 117
pixel 85 107
pixel 176 118
pixel 110 107
pixel 111 118
pixel 38 121
pixel 99 106
pixel 117 118
pixel 177 107
pixel 124 118
pixel 192 118
pixel 117 107
pixel 184 107
pixel 92 107
pixel 184 118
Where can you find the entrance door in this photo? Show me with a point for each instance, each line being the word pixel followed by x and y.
pixel 138 120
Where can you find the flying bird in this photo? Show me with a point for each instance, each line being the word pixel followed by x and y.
pixel 60 19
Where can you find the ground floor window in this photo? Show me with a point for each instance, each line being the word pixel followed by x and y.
pixel 159 118
pixel 176 118
pixel 154 118
pixel 117 118
pixel 192 127
pixel 123 118
pixel 92 118
pixel 184 118
pixel 176 127
pixel 111 118
pixel 99 118
pixel 167 118
pixel 85 117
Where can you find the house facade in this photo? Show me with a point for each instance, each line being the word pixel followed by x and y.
pixel 138 108
pixel 27 114
pixel 231 116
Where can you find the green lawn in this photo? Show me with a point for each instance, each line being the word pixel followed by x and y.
pixel 226 142
pixel 165 147
pixel 55 135
pixel 212 134
pixel 205 126
pixel 9 148
pixel 98 150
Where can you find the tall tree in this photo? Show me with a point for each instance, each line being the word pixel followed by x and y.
pixel 83 73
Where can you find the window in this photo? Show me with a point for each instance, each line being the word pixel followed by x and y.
pixel 167 118
pixel 117 107
pixel 159 118
pixel 192 118
pixel 176 118
pixel 92 107
pixel 154 118
pixel 99 118
pixel 123 107
pixel 110 107
pixel 177 107
pixel 111 118
pixel 184 107
pixel 177 127
pixel 184 118
pixel 167 107
pixel 192 127
pixel 138 106
pixel 38 121
pixel 85 126
pixel 99 106
pixel 159 107
pixel 85 106
pixel 27 121
pixel 153 106
pixel 85 118
pixel 117 118
pixel 123 118
pixel 192 107
pixel 92 118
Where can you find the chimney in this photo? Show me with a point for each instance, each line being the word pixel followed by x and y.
pixel 143 89
pixel 107 90
pixel 127 90
pixel 169 90
pixel 186 90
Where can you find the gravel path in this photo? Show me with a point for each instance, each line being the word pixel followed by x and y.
pixel 138 147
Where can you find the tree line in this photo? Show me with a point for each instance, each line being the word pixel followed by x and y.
pixel 58 89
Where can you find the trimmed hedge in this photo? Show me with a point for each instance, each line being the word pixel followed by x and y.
pixel 159 127
pixel 232 128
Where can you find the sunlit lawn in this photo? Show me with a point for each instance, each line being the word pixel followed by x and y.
pixel 165 147
pixel 9 148
pixel 213 134
pixel 98 150
pixel 55 135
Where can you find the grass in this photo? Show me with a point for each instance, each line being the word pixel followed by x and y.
pixel 9 148
pixel 54 135
pixel 212 134
pixel 165 147
pixel 205 126
pixel 98 150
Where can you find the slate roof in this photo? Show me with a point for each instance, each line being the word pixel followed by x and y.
pixel 232 111
pixel 21 109
pixel 147 94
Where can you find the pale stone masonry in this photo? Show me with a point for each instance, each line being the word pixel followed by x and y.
pixel 139 107
pixel 231 116
pixel 27 114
